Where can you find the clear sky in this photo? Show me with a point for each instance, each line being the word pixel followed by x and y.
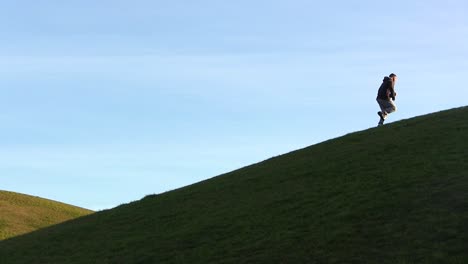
pixel 104 102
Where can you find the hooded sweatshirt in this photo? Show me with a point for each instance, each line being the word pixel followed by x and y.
pixel 386 90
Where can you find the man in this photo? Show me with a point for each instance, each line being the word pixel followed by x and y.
pixel 386 96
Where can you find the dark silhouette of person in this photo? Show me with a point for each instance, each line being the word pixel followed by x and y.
pixel 386 97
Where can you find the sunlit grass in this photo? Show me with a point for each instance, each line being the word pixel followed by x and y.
pixel 20 214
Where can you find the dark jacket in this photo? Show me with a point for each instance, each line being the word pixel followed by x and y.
pixel 386 90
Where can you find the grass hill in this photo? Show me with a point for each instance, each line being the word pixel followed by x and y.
pixel 393 194
pixel 20 214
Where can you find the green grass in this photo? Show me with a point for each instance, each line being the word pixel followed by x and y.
pixel 21 214
pixel 393 194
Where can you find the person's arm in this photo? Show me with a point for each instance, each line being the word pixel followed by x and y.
pixel 392 90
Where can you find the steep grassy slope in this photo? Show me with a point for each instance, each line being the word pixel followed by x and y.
pixel 20 214
pixel 393 194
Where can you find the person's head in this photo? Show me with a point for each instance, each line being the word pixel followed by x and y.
pixel 393 77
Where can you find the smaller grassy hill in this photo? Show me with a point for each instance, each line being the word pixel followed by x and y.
pixel 20 213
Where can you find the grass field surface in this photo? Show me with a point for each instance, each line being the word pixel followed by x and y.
pixel 392 194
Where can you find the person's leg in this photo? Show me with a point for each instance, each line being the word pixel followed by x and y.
pixel 387 106
pixel 381 113
pixel 381 121
pixel 391 107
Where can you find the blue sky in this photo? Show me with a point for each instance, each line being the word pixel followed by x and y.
pixel 104 102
